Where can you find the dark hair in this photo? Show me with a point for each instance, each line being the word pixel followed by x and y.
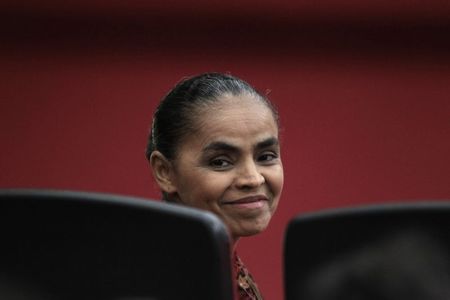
pixel 174 117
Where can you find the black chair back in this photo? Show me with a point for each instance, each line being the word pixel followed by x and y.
pixel 73 245
pixel 362 253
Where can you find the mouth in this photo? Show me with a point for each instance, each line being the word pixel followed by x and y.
pixel 256 201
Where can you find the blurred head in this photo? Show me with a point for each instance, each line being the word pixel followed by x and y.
pixel 406 265
pixel 214 145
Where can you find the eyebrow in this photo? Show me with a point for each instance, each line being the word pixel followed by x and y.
pixel 220 146
pixel 269 142
pixel 224 146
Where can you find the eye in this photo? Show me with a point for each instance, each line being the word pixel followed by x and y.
pixel 220 163
pixel 268 157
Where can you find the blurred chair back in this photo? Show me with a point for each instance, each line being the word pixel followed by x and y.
pixel 398 251
pixel 73 245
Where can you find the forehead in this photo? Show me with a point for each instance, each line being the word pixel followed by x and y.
pixel 235 117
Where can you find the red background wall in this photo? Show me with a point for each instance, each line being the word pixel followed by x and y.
pixel 363 91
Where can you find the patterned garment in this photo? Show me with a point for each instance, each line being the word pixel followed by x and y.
pixel 246 286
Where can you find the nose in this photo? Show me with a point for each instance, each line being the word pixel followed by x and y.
pixel 249 176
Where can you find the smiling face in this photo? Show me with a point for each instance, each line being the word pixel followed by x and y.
pixel 230 165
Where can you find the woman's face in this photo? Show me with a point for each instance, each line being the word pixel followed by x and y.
pixel 231 164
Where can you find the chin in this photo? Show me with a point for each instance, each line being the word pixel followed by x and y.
pixel 250 230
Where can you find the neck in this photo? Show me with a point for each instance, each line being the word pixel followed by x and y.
pixel 234 242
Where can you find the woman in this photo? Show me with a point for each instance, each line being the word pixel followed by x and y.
pixel 214 145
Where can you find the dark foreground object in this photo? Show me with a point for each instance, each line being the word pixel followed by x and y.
pixel 370 253
pixel 70 245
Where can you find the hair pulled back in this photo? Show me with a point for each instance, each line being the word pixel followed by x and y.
pixel 175 115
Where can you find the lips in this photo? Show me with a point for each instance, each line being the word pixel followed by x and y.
pixel 246 200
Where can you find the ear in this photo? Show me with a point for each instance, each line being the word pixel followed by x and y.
pixel 162 171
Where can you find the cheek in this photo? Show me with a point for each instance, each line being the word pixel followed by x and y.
pixel 214 185
pixel 276 180
pixel 204 190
